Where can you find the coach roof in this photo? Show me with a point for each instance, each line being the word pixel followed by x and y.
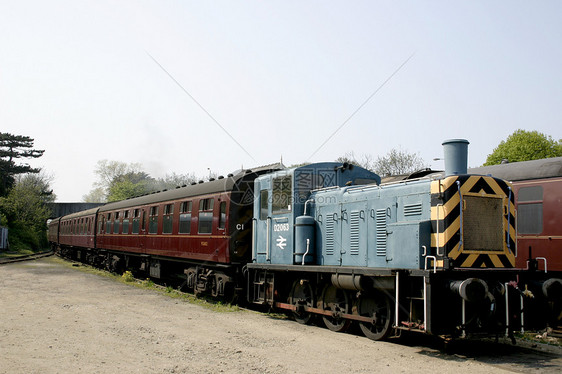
pixel 534 169
pixel 83 213
pixel 215 186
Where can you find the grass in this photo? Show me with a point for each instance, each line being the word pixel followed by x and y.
pixel 540 337
pixel 21 252
pixel 148 284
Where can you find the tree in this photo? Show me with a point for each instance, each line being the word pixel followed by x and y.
pixel 116 180
pixel 523 146
pixel 394 163
pixel 130 185
pixel 109 171
pixel 119 180
pixel 174 180
pixel 26 212
pixel 13 147
pixel 365 160
pixel 96 195
pixel 398 162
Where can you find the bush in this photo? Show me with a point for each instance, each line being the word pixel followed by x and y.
pixel 22 238
pixel 128 276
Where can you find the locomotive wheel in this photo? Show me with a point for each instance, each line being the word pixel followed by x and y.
pixel 376 306
pixel 302 295
pixel 337 301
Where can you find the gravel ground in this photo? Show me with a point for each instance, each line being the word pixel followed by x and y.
pixel 57 319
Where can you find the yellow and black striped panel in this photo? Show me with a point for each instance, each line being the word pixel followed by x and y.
pixel 487 236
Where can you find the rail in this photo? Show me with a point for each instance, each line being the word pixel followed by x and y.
pixel 34 256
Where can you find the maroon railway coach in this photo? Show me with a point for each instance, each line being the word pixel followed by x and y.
pixel 53 232
pixel 203 230
pixel 537 186
pixel 77 231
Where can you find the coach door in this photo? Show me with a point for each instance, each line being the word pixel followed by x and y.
pixel 142 231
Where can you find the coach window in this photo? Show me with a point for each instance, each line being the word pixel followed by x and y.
pixel 206 216
pixel 136 221
pixel 281 198
pixel 185 217
pixel 222 217
pixel 116 223
pixel 153 220
pixel 168 215
pixel 126 222
pixel 529 210
pixel 108 224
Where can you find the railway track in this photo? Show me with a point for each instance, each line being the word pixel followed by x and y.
pixel 34 256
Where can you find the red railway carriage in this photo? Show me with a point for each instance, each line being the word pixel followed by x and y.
pixel 77 230
pixel 202 230
pixel 53 232
pixel 191 223
pixel 537 186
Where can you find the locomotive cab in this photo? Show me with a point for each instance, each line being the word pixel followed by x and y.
pixel 282 199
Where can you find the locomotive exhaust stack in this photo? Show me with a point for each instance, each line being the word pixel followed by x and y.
pixel 456 156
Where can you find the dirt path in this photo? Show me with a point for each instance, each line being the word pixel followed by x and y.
pixel 57 319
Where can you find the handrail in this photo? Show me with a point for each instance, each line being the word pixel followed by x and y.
pixel 434 263
pixel 508 225
pixel 437 224
pixel 254 233
pixel 544 259
pixel 460 215
pixel 268 240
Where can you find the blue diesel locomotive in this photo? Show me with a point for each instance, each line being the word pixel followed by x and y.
pixel 434 255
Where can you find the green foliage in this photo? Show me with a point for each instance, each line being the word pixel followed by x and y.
pixel 26 212
pixel 119 181
pixel 96 195
pixel 128 276
pixel 523 146
pixel 13 147
pixel 127 186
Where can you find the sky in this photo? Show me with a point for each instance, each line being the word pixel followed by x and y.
pixel 198 86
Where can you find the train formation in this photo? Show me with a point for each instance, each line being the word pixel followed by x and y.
pixel 437 253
